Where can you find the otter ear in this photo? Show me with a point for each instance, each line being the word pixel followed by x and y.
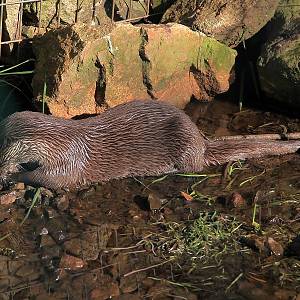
pixel 29 166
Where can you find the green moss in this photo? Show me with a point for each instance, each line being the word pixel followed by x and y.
pixel 174 54
pixel 170 54
pixel 123 65
pixel 217 54
pixel 291 56
pixel 126 42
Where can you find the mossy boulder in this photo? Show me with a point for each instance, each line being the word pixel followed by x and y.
pixel 86 70
pixel 278 64
pixel 67 69
pixel 180 63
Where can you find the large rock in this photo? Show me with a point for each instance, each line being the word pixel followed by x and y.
pixel 229 22
pixel 66 69
pixel 279 62
pixel 86 70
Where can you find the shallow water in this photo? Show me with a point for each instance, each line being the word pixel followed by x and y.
pixel 126 239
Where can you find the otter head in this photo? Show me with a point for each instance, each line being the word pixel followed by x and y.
pixel 16 156
pixel 42 150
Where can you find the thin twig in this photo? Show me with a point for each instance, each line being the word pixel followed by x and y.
pixel 5 236
pixel 33 202
pixel 234 282
pixel 147 268
pixel 266 136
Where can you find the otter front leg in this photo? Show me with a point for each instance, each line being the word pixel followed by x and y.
pixel 30 173
pixel 40 177
pixel 33 178
pixel 10 170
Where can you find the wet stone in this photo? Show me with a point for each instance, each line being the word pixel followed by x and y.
pixel 4 214
pixel 50 213
pixel 154 201
pixel 159 292
pixel 128 284
pixel 47 241
pixel 274 247
pixel 50 252
pixel 8 198
pixel 168 211
pixel 283 294
pixel 74 247
pixel 148 282
pixel 187 197
pixel 3 267
pixel 71 263
pixel 19 186
pixel 256 243
pixel 136 215
pixel 44 231
pixel 26 270
pixel 62 202
pixel 87 248
pixel 61 274
pixel 251 292
pixel 89 280
pixel 105 292
pixel 237 200
pixel 57 228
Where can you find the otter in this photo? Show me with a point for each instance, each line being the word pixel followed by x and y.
pixel 139 138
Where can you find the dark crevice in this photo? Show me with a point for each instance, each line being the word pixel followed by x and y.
pixel 100 84
pixel 146 64
pixel 207 81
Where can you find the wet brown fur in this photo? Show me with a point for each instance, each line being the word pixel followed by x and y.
pixel 141 138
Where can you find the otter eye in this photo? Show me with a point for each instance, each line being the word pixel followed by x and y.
pixel 29 166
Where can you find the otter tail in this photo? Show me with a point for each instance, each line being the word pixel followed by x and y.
pixel 220 151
